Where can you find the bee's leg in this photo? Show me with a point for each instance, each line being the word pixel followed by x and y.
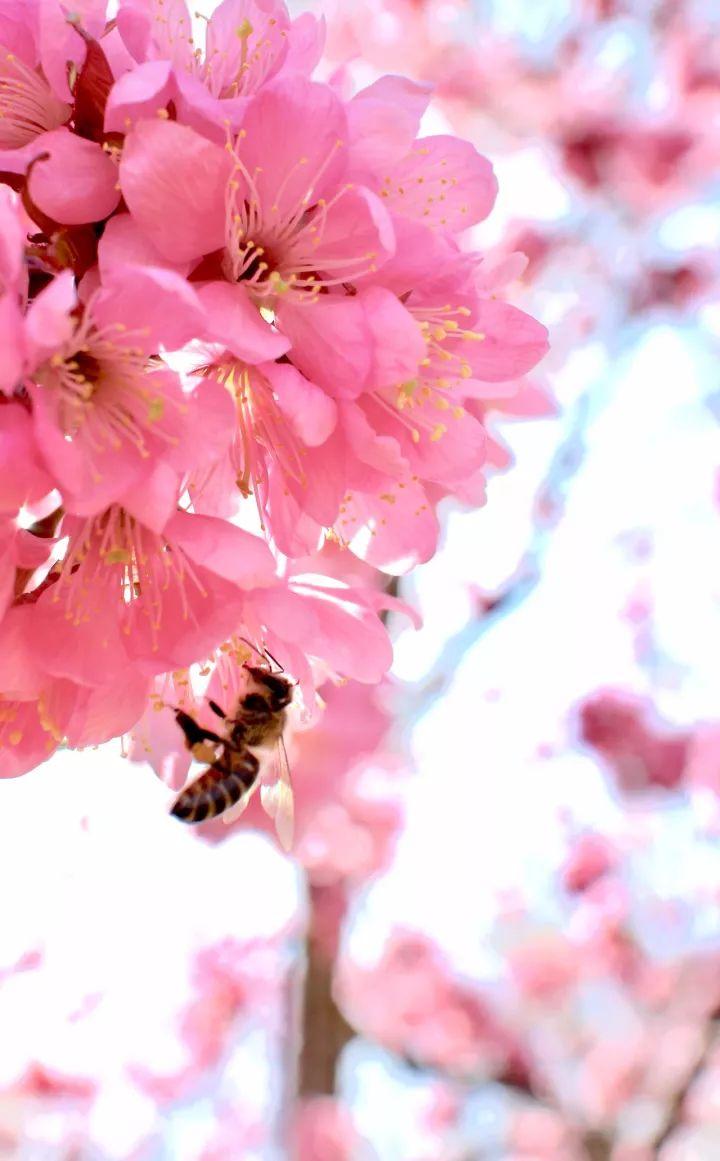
pixel 194 734
pixel 217 710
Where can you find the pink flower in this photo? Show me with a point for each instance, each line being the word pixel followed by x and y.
pixel 591 857
pixel 324 1131
pixel 247 43
pixel 410 1002
pixel 24 479
pixel 107 414
pixel 70 178
pixel 280 417
pixel 276 211
pixel 640 752
pixel 28 105
pixel 164 596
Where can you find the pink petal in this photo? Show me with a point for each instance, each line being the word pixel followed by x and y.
pixel 153 500
pixel 255 58
pixel 173 181
pixel 514 341
pixel 158 306
pixel 16 32
pixel 90 648
pixel 196 614
pixel 87 488
pixel 311 413
pixel 12 239
pixel 23 477
pixel 356 227
pixel 61 44
pixel 105 713
pixel 210 116
pixel 77 183
pixel 12 347
pixel 370 447
pixel 139 94
pixel 306 126
pixel 293 531
pixel 21 671
pixel 305 44
pixel 351 639
pixel 232 319
pixel 210 409
pixel 384 120
pixel 49 323
pixel 443 182
pixel 223 549
pixel 393 531
pixel 25 743
pixel 124 244
pixel 332 343
pixel 163 32
pixel 399 345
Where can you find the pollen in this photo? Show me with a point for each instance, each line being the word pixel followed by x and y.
pixel 438 432
pixel 117 555
pixel 15 737
pixel 156 409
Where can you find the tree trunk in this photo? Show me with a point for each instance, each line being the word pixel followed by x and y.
pixel 325 1031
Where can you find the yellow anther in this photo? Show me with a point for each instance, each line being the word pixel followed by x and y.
pixel 438 432
pixel 117 556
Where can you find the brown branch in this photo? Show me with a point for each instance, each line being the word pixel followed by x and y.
pixel 325 1031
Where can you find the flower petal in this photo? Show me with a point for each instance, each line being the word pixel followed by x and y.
pixel 312 414
pixel 350 638
pixel 123 243
pixel 332 343
pixel 384 120
pixel 173 181
pixel 139 94
pixel 23 477
pixel 232 319
pixel 49 322
pixel 443 182
pixel 76 183
pixel 158 305
pixel 514 342
pixel 223 549
pixel 306 124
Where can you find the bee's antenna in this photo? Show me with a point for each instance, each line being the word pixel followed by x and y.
pixel 250 645
pixel 274 660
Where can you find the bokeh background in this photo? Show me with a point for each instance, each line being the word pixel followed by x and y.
pixel 500 935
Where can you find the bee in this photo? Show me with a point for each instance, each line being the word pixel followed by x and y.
pixel 233 770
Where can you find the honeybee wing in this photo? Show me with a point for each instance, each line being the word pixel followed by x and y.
pixel 277 797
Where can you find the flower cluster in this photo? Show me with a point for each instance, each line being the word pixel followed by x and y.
pixel 238 323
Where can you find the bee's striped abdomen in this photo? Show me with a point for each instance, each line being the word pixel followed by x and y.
pixel 218 788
